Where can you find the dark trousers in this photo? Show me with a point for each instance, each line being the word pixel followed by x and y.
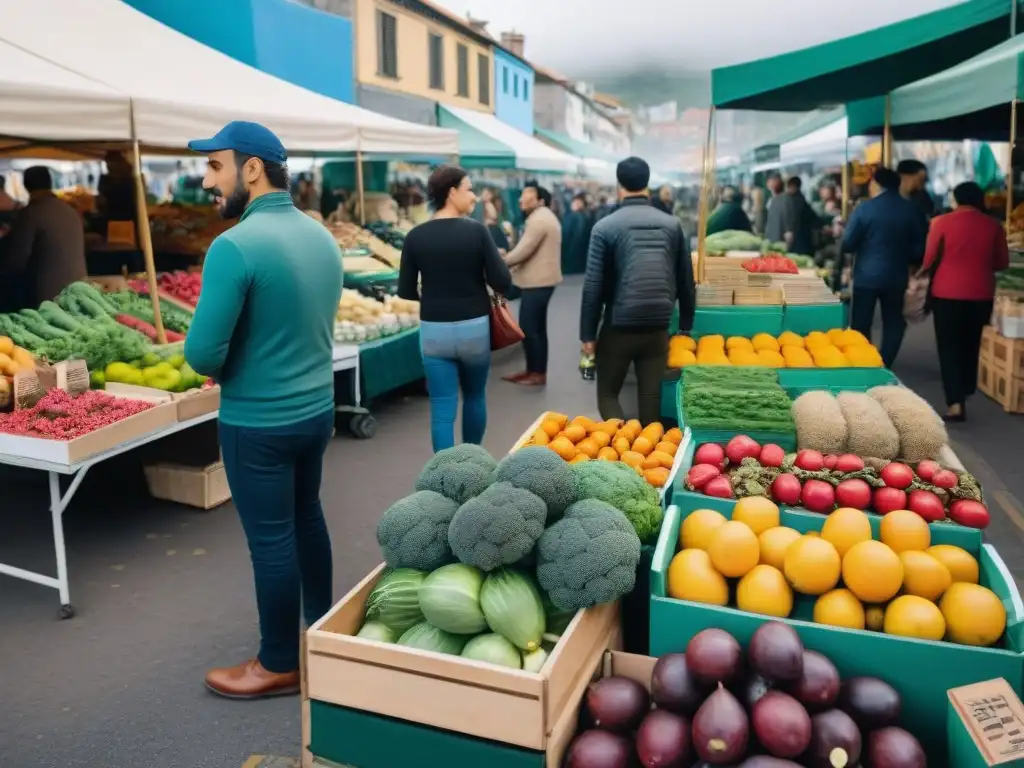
pixel 533 319
pixel 647 351
pixel 958 328
pixel 274 474
pixel 894 325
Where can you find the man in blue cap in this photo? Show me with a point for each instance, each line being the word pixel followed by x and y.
pixel 264 329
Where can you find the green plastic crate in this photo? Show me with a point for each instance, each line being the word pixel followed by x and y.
pixel 835 379
pixel 813 317
pixel 922 671
pixel 670 401
pixel 737 321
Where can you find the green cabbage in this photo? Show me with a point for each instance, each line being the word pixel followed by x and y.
pixel 376 630
pixel 450 599
pixel 493 649
pixel 513 607
pixel 395 601
pixel 535 660
pixel 427 637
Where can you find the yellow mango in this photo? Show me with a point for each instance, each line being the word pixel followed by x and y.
pixel 738 342
pixel 790 339
pixel 797 357
pixel 771 358
pixel 816 339
pixel 765 341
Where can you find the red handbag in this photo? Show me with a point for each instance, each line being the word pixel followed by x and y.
pixel 505 331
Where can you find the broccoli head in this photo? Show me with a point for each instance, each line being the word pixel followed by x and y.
pixel 498 527
pixel 624 489
pixel 588 557
pixel 542 472
pixel 413 533
pixel 460 473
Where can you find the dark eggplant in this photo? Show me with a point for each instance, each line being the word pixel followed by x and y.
pixel 599 749
pixel 776 652
pixel 663 740
pixel 714 656
pixel 871 702
pixel 819 683
pixel 750 689
pixel 835 741
pixel 721 729
pixel 617 704
pixel 781 724
pixel 674 687
pixel 894 748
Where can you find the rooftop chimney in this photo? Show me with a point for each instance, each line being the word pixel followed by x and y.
pixel 514 41
pixel 477 25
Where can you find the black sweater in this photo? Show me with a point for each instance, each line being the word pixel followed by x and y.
pixel 457 260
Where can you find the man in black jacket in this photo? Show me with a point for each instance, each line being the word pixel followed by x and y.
pixel 638 267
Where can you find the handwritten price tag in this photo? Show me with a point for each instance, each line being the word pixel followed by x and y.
pixel 994 716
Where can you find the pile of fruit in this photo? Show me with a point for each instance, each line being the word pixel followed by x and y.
pixel 58 415
pixel 776 706
pixel 837 349
pixel 491 559
pixel 821 483
pixel 181 285
pixel 732 240
pixel 649 450
pixel 362 318
pixel 774 263
pixel 899 584
pixel 734 399
pixel 170 375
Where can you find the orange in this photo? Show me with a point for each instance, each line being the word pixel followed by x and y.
pixel 588 447
pixel 632 429
pixel 674 435
pixel 632 459
pixel 559 418
pixel 575 432
pixel 903 530
pixel 974 615
pixel 913 616
pixel 666 447
pixel 550 427
pixel 608 454
pixel 764 590
pixel 563 447
pixel 874 617
pixel 540 437
pixel 653 431
pixel 698 527
pixel 757 512
pixel 812 565
pixel 642 445
pixel 961 564
pixel 846 527
pixel 602 439
pixel 774 542
pixel 872 571
pixel 584 421
pixel 621 445
pixel 658 459
pixel 733 549
pixel 924 575
pixel 579 458
pixel 657 476
pixel 609 427
pixel 839 608
pixel 692 577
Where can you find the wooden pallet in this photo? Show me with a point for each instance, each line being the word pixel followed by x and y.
pixel 747 297
pixel 1005 389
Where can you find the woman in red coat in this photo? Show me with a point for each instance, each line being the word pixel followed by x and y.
pixel 965 250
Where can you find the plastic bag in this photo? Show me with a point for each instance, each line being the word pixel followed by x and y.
pixel 915 299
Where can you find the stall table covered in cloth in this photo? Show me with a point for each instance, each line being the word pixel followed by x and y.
pixel 390 363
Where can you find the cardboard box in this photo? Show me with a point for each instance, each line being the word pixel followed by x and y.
pixel 985 725
pixel 481 700
pixel 81 448
pixel 201 487
pixel 197 402
pixel 1008 356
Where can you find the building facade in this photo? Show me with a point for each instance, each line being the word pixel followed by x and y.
pixel 513 84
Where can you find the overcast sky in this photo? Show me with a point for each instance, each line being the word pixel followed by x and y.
pixel 583 37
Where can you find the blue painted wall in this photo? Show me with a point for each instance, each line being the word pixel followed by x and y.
pixel 298 44
pixel 513 86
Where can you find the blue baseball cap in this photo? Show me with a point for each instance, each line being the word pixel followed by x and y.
pixel 241 136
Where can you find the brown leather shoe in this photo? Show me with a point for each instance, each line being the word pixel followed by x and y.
pixel 515 377
pixel 251 681
pixel 533 380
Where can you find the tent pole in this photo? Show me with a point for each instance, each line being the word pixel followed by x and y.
pixel 1009 162
pixel 705 191
pixel 844 208
pixel 887 133
pixel 146 237
pixel 359 185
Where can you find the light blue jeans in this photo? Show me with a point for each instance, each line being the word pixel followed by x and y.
pixel 457 356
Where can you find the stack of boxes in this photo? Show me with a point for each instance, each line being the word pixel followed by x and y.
pixel 1001 369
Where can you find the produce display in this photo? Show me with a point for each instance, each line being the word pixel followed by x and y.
pixel 59 415
pixel 175 320
pixel 820 483
pixel 735 399
pixel 777 705
pixel 362 318
pixel 771 263
pixel 185 229
pixel 898 584
pixel 181 285
pixel 353 237
pixel 837 349
pixel 490 560
pixel 650 450
pixel 886 423
pixel 732 240
pixel 170 375
pixel 388 233
pixel 1012 279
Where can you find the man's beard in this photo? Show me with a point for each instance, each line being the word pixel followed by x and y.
pixel 233 206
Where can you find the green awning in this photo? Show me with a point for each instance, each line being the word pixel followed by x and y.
pixel 477 149
pixel 865 65
pixel 969 101
pixel 574 147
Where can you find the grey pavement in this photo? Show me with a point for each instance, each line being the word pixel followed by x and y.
pixel 164 592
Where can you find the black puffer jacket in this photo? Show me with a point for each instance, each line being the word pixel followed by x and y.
pixel 638 266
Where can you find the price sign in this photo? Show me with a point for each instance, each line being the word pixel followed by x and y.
pixel 994 716
pixel 121 232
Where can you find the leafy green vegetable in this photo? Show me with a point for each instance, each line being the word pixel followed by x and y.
pixel 745 377
pixel 543 473
pixel 427 637
pixel 395 599
pixel 450 599
pixel 499 527
pixel 57 317
pixel 743 410
pixel 513 607
pixel 376 630
pixel 36 323
pixel 19 334
pixel 131 303
pixel 493 649
pixel 624 489
pixel 413 532
pixel 460 473
pixel 732 240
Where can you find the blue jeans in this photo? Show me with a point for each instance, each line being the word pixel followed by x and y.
pixel 457 355
pixel 274 474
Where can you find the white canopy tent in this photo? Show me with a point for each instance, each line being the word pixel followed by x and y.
pixel 827 145
pixel 181 89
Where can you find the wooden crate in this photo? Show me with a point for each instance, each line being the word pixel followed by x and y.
pixel 988 336
pixel 448 692
pixel 1005 389
pixel 1007 355
pixel 757 297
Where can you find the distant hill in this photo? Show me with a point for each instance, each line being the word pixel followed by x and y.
pixel 651 86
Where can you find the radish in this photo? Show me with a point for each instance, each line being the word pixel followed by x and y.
pixel 853 493
pixel 830 461
pixel 741 447
pixel 700 474
pixel 927 505
pixel 818 496
pixel 710 453
pixel 809 460
pixel 772 455
pixel 785 489
pixel 945 478
pixel 888 500
pixel 896 475
pixel 926 469
pixel 848 463
pixel 719 487
pixel 969 513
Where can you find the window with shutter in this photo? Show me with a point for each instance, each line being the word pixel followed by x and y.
pixel 483 69
pixel 526 89
pixel 436 49
pixel 463 74
pixel 504 79
pixel 387 45
pixel 515 85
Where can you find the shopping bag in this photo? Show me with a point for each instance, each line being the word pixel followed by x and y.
pixel 505 331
